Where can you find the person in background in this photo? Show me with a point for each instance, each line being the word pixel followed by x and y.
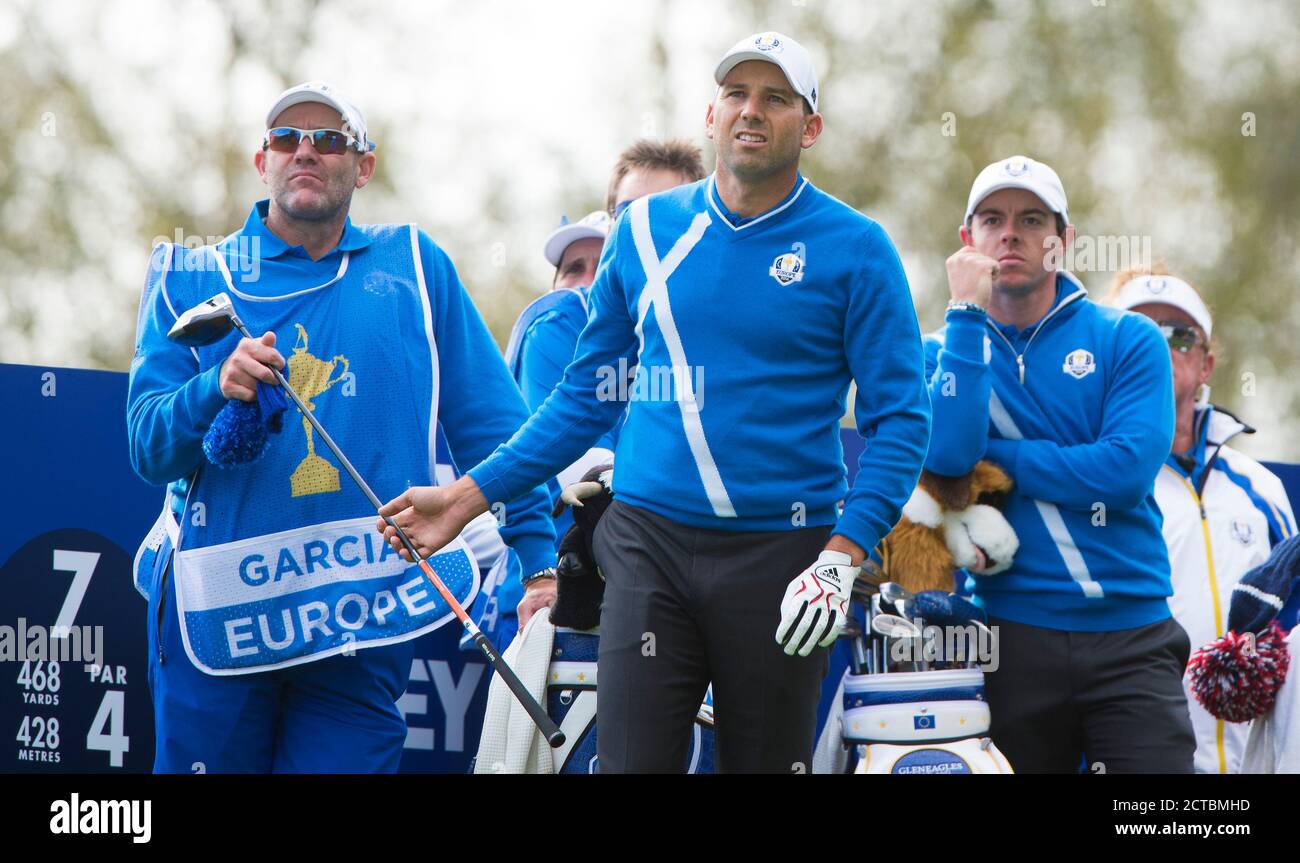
pixel 545 337
pixel 1074 401
pixel 1223 511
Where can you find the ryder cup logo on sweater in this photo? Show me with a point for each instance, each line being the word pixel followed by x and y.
pixel 787 268
pixel 1242 532
pixel 1079 363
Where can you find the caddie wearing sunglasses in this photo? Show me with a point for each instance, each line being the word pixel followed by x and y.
pixel 1223 511
pixel 373 323
pixel 328 142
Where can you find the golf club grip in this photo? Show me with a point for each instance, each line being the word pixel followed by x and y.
pixel 554 736
pixel 545 724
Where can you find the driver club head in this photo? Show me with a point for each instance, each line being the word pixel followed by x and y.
pixel 205 324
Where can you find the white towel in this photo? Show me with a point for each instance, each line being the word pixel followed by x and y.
pixel 1274 742
pixel 511 742
pixel 830 756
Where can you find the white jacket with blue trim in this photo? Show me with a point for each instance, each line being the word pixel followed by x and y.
pixel 1220 520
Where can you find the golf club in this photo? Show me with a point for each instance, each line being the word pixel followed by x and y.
pixel 973 656
pixel 859 660
pixel 879 652
pixel 864 593
pixel 893 627
pixel 893 593
pixel 897 596
pixel 211 321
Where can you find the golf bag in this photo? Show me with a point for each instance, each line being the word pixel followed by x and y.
pixel 929 722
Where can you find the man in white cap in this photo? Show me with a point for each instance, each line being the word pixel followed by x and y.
pixel 1075 401
pixel 280 634
pixel 1223 511
pixel 536 353
pixel 725 554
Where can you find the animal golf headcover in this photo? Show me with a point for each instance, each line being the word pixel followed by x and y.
pixel 580 587
pixel 951 523
pixel 239 434
pixel 1236 677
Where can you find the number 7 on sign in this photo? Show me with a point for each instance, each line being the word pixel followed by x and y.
pixel 82 564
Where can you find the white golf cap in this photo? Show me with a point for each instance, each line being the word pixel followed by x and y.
pixel 776 48
pixel 325 94
pixel 1019 172
pixel 1168 291
pixel 594 226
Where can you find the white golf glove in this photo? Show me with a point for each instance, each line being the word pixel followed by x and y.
pixel 816 604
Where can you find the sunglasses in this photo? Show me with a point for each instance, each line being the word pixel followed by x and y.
pixel 1181 337
pixel 328 142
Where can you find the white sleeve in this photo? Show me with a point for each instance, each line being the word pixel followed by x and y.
pixel 1274 743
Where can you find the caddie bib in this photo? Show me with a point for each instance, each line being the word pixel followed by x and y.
pixel 278 561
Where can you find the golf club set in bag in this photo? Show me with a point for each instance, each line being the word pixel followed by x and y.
pixel 913 699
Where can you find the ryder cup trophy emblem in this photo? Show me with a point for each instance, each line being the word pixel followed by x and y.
pixel 310 376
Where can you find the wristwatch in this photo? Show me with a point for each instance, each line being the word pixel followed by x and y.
pixel 964 306
pixel 549 572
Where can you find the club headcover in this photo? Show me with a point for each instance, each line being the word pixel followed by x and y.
pixel 239 434
pixel 1236 677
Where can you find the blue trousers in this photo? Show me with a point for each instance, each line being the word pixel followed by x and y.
pixel 335 715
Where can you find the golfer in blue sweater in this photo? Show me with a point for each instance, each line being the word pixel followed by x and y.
pixel 748 302
pixel 1075 401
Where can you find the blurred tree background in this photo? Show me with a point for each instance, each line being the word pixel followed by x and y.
pixel 1173 122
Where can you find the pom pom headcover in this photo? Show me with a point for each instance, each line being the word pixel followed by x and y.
pixel 239 433
pixel 1236 677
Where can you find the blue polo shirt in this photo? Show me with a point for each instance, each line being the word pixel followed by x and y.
pixel 170 405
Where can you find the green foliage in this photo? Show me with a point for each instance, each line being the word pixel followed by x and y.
pixel 1140 105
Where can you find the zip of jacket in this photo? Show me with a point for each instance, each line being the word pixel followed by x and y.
pixel 1020 356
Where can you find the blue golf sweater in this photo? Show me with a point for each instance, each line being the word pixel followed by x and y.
pixel 1079 410
pixel 746 334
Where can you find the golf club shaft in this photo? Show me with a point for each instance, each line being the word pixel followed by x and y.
pixel 549 729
